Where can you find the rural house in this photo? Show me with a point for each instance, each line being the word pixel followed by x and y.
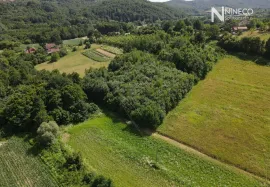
pixel 52 48
pixel 30 50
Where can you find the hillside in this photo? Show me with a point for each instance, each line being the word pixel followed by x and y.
pixel 134 10
pixel 227 115
pixel 207 4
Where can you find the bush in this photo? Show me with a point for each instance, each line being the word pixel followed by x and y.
pixel 55 57
pixel 47 133
pixel 63 52
pixel 74 49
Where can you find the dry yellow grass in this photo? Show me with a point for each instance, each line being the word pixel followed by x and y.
pixel 227 115
pixel 73 62
pixel 262 35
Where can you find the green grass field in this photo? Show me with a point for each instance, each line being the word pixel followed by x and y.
pixel 74 62
pixel 20 169
pixel 75 41
pixel 110 148
pixel 227 115
pixel 262 35
pixel 95 55
pixel 113 50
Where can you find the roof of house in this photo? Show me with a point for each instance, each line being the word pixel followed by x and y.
pixel 50 45
pixel 30 50
pixel 53 50
pixel 240 28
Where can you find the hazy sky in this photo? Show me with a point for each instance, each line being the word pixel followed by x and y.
pixel 159 0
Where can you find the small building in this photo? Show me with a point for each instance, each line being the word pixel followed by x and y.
pixel 52 48
pixel 236 29
pixel 30 50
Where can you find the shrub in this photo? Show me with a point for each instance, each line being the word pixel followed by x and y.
pixel 47 133
pixel 55 57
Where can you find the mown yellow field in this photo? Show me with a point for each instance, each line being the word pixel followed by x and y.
pixel 73 62
pixel 227 115
pixel 262 35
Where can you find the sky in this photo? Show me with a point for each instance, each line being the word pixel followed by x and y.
pixel 159 0
pixel 165 0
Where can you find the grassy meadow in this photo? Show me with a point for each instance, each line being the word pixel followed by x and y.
pixel 112 148
pixel 74 62
pixel 74 42
pixel 263 35
pixel 20 169
pixel 227 115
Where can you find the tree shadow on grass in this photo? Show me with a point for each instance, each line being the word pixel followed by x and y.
pixel 254 58
pixel 130 127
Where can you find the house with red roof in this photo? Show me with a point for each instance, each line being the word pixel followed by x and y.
pixel 30 50
pixel 52 48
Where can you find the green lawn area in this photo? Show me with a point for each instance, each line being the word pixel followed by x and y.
pixel 227 115
pixel 18 168
pixel 110 148
pixel 262 35
pixel 74 62
pixel 24 46
pixel 75 41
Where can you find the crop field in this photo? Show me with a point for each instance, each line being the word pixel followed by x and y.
pixel 113 50
pixel 113 149
pixel 95 55
pixel 262 35
pixel 227 115
pixel 20 169
pixel 73 42
pixel 74 62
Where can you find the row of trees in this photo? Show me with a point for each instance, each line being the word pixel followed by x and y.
pixel 249 45
pixel 29 98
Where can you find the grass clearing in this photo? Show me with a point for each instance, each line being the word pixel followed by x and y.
pixel 113 50
pixel 74 42
pixel 20 169
pixel 74 62
pixel 263 35
pixel 227 115
pixel 24 46
pixel 110 148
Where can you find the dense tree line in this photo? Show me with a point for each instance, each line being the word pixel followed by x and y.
pixel 249 45
pixel 35 102
pixel 56 20
pixel 29 97
pixel 189 52
pixel 138 86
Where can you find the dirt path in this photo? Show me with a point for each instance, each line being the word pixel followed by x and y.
pixel 205 157
pixel 106 53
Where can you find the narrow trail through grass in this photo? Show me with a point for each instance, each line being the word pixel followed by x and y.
pixel 204 156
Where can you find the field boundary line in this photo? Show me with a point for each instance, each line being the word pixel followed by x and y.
pixel 211 158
